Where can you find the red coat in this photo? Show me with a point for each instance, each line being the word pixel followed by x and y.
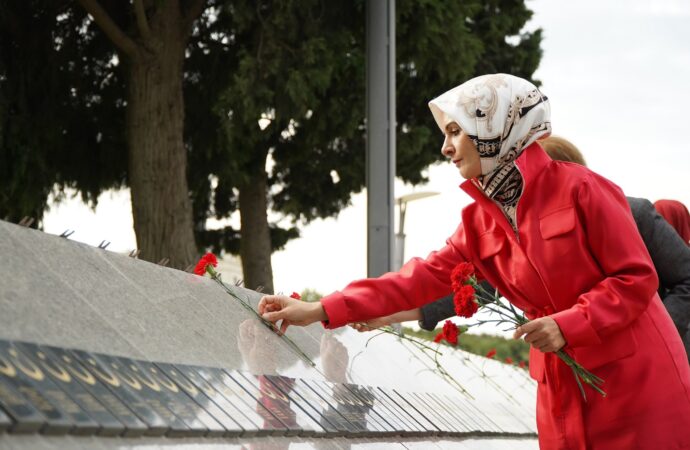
pixel 580 259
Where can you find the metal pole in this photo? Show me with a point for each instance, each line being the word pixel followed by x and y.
pixel 380 142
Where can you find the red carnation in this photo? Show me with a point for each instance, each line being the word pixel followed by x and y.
pixel 450 333
pixel 522 364
pixel 296 295
pixel 461 274
pixel 491 353
pixel 209 259
pixel 509 360
pixel 465 304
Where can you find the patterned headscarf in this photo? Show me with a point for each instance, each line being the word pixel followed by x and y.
pixel 502 114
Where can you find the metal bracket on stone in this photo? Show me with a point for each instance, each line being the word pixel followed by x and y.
pixel 134 253
pixel 164 262
pixel 67 233
pixel 26 221
pixel 104 244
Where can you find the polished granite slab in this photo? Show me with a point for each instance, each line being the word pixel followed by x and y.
pixel 96 307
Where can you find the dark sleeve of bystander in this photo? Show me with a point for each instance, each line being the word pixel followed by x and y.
pixel 671 258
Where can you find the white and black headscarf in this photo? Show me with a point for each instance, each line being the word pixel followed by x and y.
pixel 502 114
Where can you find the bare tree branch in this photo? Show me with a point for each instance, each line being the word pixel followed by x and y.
pixel 191 14
pixel 142 22
pixel 110 28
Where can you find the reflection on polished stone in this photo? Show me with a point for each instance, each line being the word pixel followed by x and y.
pixel 301 406
pixel 230 427
pixel 268 424
pixel 175 398
pixel 249 420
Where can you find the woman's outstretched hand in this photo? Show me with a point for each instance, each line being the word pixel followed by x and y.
pixel 542 334
pixel 371 325
pixel 290 311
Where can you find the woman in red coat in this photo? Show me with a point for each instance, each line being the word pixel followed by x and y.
pixel 559 241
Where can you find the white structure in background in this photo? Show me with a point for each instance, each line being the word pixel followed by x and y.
pixel 230 267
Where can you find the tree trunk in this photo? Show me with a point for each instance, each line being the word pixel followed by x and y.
pixel 161 205
pixel 255 246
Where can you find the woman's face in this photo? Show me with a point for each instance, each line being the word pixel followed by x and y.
pixel 460 149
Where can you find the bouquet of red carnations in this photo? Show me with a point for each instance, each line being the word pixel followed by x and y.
pixel 470 296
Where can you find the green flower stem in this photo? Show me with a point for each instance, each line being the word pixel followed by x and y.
pixel 508 314
pixel 216 277
pixel 424 349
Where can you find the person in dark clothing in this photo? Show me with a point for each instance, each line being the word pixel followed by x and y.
pixel 670 255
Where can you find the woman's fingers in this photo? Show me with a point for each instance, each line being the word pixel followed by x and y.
pixel 270 303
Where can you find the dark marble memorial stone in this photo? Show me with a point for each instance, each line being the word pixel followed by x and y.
pixel 281 412
pixel 231 428
pixel 133 426
pixel 355 414
pixel 255 411
pixel 25 416
pixel 5 421
pixel 62 413
pixel 463 418
pixel 129 391
pixel 392 412
pixel 175 398
pixel 278 402
pixel 477 420
pixel 250 422
pixel 52 367
pixel 329 414
pixel 427 411
pixel 374 409
pixel 455 424
pixel 286 385
pixel 423 423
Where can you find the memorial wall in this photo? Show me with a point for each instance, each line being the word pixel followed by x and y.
pixel 100 350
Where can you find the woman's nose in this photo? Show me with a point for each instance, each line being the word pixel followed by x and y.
pixel 447 150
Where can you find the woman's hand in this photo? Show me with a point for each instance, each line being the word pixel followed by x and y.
pixel 542 334
pixel 372 324
pixel 291 311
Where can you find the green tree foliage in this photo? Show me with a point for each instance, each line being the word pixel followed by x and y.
pixel 298 63
pixel 61 120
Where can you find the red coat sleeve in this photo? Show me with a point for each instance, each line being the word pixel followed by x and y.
pixel 418 282
pixel 630 280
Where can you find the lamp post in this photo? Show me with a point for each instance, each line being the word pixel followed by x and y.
pixel 402 202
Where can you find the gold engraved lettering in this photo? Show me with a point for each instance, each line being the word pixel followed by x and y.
pixel 132 382
pixel 78 372
pixel 103 376
pixel 91 403
pixel 25 365
pixel 179 379
pixel 144 378
pixel 37 399
pixel 6 368
pixel 58 372
pixel 164 381
pixel 66 403
pixel 10 397
pixel 203 384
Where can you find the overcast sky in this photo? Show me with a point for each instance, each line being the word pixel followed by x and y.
pixel 618 78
